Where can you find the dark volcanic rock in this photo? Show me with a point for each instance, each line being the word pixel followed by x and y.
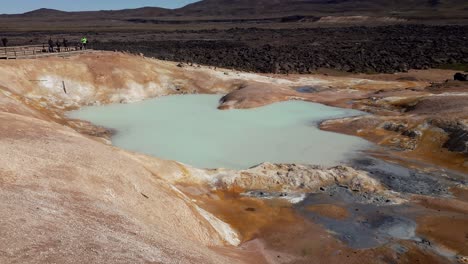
pixel 385 49
pixel 460 77
pixel 458 135
pixel 458 139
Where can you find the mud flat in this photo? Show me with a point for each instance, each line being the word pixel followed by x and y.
pixel 68 195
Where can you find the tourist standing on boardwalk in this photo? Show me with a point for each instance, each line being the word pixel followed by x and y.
pixel 58 44
pixel 65 44
pixel 84 42
pixel 5 42
pixel 51 45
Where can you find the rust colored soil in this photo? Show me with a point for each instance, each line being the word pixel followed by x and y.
pixel 248 215
pixel 449 230
pixel 460 193
pixel 330 211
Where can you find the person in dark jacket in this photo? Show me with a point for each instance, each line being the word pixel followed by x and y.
pixel 51 45
pixel 65 44
pixel 58 44
pixel 5 42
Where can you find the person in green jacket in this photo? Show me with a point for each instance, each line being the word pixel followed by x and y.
pixel 84 42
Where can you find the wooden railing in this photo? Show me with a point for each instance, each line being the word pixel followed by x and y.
pixel 34 51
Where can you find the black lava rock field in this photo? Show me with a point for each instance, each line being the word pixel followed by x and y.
pixel 384 49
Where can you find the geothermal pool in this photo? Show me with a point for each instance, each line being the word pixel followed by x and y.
pixel 190 129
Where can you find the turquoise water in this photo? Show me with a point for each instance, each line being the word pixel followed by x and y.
pixel 190 129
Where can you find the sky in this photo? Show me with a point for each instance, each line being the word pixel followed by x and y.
pixel 21 6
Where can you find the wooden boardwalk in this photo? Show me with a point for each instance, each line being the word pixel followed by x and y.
pixel 38 51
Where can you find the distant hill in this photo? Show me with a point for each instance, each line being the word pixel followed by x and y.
pixel 137 12
pixel 141 12
pixel 325 7
pixel 45 12
pixel 267 8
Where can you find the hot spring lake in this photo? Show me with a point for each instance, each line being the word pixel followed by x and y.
pixel 190 129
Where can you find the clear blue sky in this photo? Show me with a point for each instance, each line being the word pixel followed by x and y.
pixel 21 6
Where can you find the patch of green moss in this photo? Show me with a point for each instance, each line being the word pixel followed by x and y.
pixel 454 66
